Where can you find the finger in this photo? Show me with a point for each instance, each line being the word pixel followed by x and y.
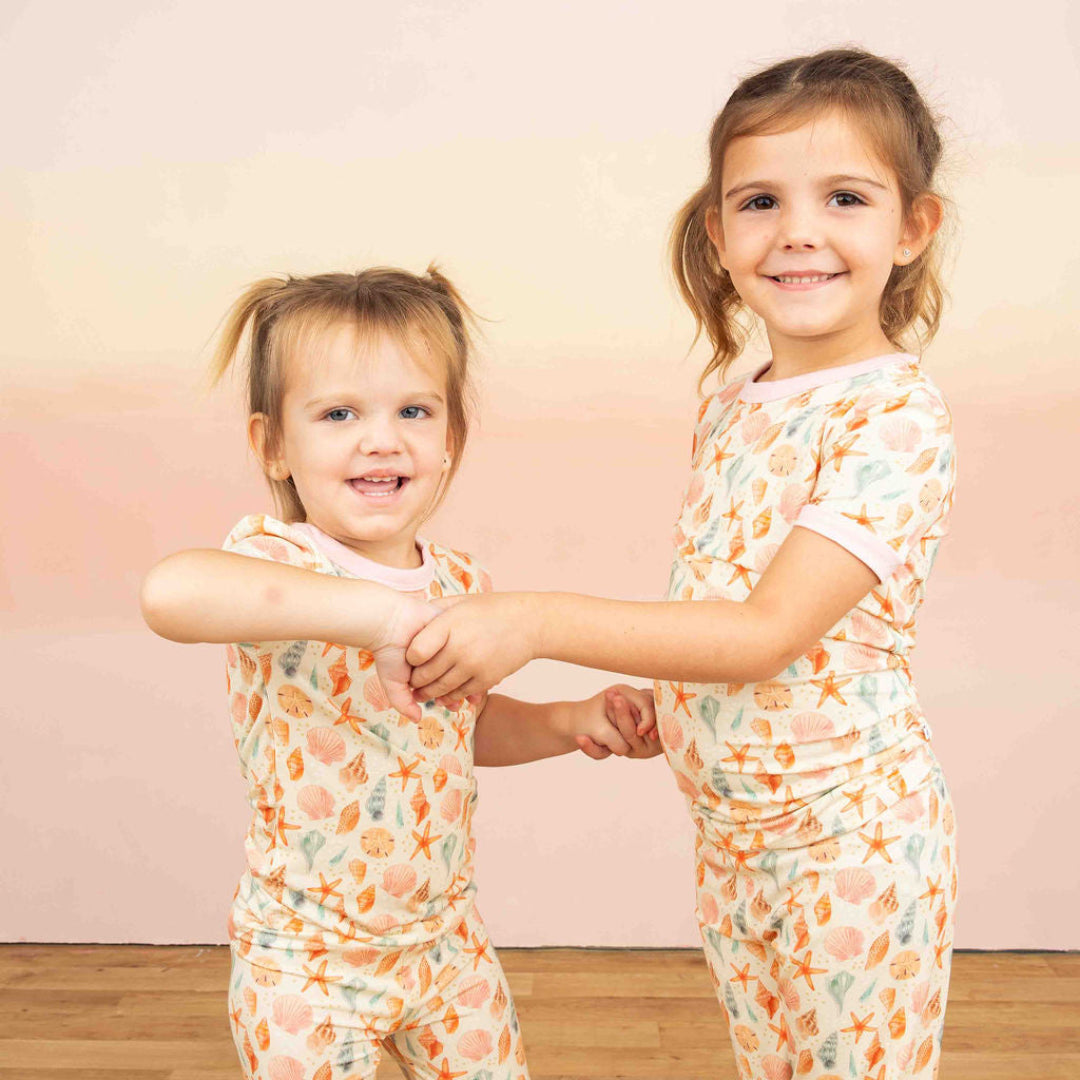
pixel 400 697
pixel 588 747
pixel 621 715
pixel 433 670
pixel 426 643
pixel 449 684
pixel 609 736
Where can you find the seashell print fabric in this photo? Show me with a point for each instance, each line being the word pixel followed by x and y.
pixel 826 874
pixel 354 921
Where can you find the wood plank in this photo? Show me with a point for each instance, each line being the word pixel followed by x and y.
pixel 158 1013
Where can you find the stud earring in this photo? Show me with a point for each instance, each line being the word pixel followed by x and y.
pixel 907 253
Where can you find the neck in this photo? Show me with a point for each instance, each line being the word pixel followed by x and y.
pixel 793 356
pixel 399 552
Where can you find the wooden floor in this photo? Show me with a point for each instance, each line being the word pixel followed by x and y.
pixel 108 1012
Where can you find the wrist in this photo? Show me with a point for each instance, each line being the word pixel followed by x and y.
pixel 380 611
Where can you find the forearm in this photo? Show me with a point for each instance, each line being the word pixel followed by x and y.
pixel 511 732
pixel 703 641
pixel 205 595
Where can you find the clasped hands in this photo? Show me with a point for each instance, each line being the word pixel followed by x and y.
pixel 459 647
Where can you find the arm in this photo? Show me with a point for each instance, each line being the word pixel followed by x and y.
pixel 510 732
pixel 810 584
pixel 205 595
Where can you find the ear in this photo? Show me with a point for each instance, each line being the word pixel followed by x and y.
pixel 448 457
pixel 716 233
pixel 923 220
pixel 269 457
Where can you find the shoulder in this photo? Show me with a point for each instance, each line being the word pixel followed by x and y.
pixel 457 571
pixel 896 404
pixel 264 537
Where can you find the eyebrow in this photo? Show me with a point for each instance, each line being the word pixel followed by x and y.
pixel 829 182
pixel 346 395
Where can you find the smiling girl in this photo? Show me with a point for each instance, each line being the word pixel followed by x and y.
pixel 354 929
pixel 820 489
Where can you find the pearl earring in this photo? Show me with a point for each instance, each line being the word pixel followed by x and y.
pixel 907 253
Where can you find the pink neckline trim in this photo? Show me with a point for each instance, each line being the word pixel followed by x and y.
pixel 413 580
pixel 752 390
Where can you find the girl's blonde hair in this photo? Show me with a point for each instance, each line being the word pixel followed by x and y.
pixel 874 93
pixel 284 316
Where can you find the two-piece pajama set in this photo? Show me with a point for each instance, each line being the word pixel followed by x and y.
pixel 826 873
pixel 353 928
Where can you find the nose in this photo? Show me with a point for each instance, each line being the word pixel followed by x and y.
pixel 799 229
pixel 379 436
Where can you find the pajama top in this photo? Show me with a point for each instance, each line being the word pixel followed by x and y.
pixel 360 831
pixel 862 454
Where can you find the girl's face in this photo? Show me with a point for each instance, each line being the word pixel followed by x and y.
pixel 809 227
pixel 364 437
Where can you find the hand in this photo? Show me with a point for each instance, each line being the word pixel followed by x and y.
pixel 471 646
pixel 619 720
pixel 405 617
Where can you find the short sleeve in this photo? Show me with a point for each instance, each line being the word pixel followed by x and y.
pixel 885 477
pixel 263 537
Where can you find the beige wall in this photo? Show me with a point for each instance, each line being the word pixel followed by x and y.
pixel 159 160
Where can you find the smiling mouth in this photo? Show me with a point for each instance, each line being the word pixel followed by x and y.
pixel 803 279
pixel 379 487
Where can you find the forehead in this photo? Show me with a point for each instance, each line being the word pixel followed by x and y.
pixel 829 144
pixel 344 355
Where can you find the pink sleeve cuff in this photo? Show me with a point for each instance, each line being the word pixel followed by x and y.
pixel 870 549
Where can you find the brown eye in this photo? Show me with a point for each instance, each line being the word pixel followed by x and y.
pixel 846 198
pixel 760 202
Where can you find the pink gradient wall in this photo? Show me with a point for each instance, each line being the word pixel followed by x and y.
pixel 135 201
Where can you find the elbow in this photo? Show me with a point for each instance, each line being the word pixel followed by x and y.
pixel 159 602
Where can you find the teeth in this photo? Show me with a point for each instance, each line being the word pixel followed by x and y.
pixel 804 280
pixel 381 479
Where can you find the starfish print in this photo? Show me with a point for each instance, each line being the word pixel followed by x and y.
pixel 740 573
pixel 858 1027
pixel 743 977
pixel 939 952
pixel 234 1015
pixel 862 518
pixel 803 969
pixel 682 696
pixel 423 843
pixel 878 844
pixel 733 514
pixel 281 832
pixel 933 889
pixel 843 450
pixel 830 687
pixel 792 902
pixel 345 717
pixel 326 890
pixel 478 952
pixel 405 772
pixel 720 455
pixel 738 755
pixel 757 846
pixel 446 1074
pixel 462 729
pixel 783 1033
pixel 855 800
pixel 884 603
pixel 319 978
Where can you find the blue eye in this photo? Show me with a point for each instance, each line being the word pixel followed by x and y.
pixel 756 203
pixel 338 415
pixel 846 198
pixel 413 412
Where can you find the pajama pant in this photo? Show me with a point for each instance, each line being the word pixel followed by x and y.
pixel 831 958
pixel 442 1009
